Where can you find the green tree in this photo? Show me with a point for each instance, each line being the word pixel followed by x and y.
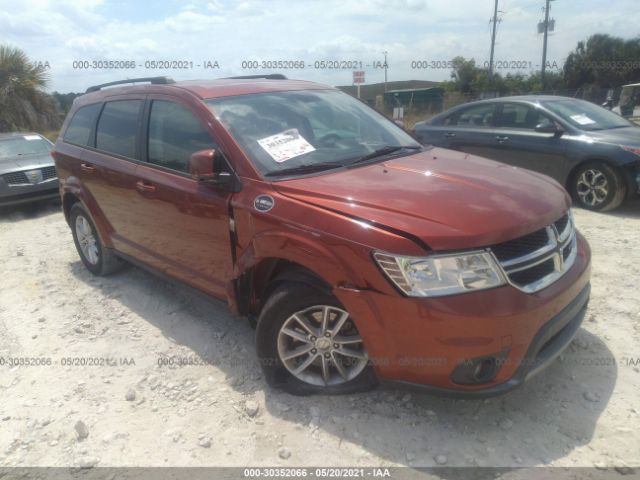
pixel 65 100
pixel 464 75
pixel 471 81
pixel 23 103
pixel 603 61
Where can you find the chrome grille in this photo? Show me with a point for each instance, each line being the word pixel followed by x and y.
pixel 538 259
pixel 16 178
pixel 521 246
pixel 48 173
pixel 21 178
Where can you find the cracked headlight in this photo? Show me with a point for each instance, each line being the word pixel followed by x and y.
pixel 438 275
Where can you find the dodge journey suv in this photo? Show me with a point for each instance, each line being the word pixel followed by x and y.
pixel 360 255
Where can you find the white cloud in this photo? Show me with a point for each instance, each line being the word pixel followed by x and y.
pixel 192 22
pixel 230 32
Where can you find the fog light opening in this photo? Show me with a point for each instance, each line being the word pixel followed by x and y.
pixel 480 370
pixel 485 370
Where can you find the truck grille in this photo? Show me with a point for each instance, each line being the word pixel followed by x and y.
pixel 538 259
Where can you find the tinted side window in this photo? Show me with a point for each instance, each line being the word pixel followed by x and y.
pixel 520 116
pixel 174 134
pixel 117 127
pixel 476 116
pixel 81 125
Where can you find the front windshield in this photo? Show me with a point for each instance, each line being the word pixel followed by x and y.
pixel 585 115
pixel 23 145
pixel 284 130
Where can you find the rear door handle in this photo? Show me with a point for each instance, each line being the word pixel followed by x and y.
pixel 87 167
pixel 501 139
pixel 145 187
pixel 449 134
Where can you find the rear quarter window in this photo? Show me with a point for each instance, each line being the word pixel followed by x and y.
pixel 475 116
pixel 118 127
pixel 81 125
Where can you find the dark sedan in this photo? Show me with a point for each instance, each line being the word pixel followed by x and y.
pixel 27 171
pixel 593 152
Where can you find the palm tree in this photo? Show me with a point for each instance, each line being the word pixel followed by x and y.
pixel 23 103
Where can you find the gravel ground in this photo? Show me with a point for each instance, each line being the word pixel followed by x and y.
pixel 130 411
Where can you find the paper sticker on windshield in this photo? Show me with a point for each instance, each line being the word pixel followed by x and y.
pixel 582 119
pixel 286 145
pixel 31 137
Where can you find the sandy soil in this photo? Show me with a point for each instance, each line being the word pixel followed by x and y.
pixel 130 411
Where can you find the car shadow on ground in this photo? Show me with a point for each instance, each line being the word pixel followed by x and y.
pixel 16 213
pixel 539 423
pixel 629 209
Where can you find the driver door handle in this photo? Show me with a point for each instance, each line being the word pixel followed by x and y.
pixel 87 167
pixel 501 139
pixel 449 135
pixel 145 187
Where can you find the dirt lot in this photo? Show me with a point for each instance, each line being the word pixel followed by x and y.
pixel 582 411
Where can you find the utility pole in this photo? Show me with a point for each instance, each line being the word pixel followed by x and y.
pixel 545 27
pixel 385 69
pixel 493 40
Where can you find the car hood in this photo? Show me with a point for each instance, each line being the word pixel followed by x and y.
pixel 450 200
pixel 25 162
pixel 628 136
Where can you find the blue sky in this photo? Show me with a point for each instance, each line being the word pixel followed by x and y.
pixel 61 32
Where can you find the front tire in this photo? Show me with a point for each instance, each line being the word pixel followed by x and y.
pixel 307 343
pixel 98 259
pixel 598 186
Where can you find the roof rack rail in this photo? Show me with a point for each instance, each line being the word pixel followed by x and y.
pixel 152 80
pixel 272 76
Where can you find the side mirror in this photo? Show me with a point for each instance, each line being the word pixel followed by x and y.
pixel 202 168
pixel 548 127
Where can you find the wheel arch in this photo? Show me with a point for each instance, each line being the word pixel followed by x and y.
pixel 73 193
pixel 68 200
pixel 256 283
pixel 273 257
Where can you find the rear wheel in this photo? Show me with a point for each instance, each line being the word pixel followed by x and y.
pixel 98 259
pixel 308 343
pixel 598 186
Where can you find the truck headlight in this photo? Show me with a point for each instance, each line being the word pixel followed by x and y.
pixel 438 275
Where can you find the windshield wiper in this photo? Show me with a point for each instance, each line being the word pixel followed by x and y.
pixel 385 151
pixel 309 168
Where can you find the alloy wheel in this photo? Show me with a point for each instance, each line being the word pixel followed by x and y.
pixel 321 346
pixel 592 187
pixel 87 240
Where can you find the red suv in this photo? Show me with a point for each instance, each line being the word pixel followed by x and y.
pixel 360 255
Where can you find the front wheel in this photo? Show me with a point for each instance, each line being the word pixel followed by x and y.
pixel 598 186
pixel 308 343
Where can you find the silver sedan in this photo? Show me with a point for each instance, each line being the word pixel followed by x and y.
pixel 27 170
